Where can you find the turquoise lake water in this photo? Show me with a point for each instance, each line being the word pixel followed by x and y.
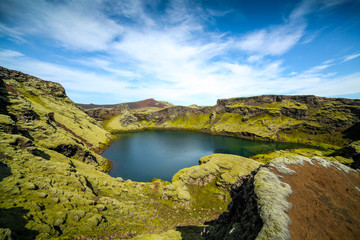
pixel 143 156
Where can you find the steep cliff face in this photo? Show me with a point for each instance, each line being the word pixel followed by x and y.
pixel 305 119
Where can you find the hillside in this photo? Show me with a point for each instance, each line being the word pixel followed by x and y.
pixel 147 103
pixel 327 122
pixel 54 185
pixel 106 112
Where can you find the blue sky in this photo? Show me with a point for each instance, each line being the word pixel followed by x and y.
pixel 185 52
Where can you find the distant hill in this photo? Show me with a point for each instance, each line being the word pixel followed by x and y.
pixel 132 105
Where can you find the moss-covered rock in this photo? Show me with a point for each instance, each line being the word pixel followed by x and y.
pixel 5 234
pixel 306 119
pixel 223 169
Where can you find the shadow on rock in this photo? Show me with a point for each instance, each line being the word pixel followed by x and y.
pixel 4 170
pixel 190 232
pixel 242 221
pixel 353 132
pixel 40 153
pixel 13 219
pixel 4 100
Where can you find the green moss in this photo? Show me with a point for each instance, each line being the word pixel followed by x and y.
pixel 307 152
pixel 288 103
pixel 208 197
pixel 6 120
pixel 191 121
pixel 171 234
pixel 228 168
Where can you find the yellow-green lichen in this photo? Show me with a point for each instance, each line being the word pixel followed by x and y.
pixel 272 202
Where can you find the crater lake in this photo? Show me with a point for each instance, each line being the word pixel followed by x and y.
pixel 142 156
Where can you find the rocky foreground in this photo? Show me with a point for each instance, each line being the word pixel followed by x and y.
pixel 53 182
pixel 293 198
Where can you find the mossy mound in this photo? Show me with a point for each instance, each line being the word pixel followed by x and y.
pixel 225 168
pixel 329 155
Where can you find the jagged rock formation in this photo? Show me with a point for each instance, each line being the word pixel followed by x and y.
pixel 305 119
pixel 293 198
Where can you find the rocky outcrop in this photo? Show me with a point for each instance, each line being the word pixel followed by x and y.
pixel 103 114
pixel 290 194
pixel 242 215
pixel 216 172
pixel 40 112
pixel 106 112
pixel 305 119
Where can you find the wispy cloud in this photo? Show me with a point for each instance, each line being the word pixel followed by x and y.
pixel 351 57
pixel 134 53
pixel 216 81
pixel 77 25
pixel 273 41
pixel 306 7
pixel 6 53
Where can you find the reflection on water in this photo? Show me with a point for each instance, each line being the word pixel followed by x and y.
pixel 146 155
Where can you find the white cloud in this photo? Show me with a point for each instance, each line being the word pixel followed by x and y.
pixel 333 86
pixel 317 69
pixel 306 7
pixel 74 24
pixel 12 33
pixel 351 57
pixel 190 83
pixel 4 53
pixel 273 41
pixel 71 79
pixel 254 58
pixel 169 57
pixel 277 40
